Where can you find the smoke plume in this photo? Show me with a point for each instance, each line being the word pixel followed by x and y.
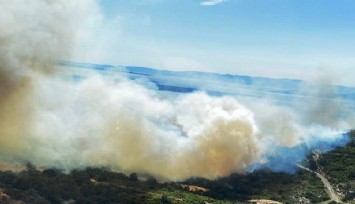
pixel 119 123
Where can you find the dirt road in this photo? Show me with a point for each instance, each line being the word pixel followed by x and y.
pixel 333 196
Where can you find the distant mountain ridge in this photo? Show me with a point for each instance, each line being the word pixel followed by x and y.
pixel 226 84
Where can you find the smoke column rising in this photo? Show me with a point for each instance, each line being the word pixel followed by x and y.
pixel 115 122
pixel 31 35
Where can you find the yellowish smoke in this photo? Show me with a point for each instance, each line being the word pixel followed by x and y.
pixel 111 121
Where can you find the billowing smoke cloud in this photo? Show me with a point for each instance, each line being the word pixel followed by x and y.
pixel 31 36
pixel 115 122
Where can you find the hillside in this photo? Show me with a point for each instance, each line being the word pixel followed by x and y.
pixel 99 185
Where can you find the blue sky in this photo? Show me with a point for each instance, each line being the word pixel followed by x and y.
pixel 273 38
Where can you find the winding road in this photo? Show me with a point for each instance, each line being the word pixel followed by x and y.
pixel 333 196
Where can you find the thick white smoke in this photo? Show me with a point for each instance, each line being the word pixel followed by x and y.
pixel 124 125
pixel 115 122
pixel 32 35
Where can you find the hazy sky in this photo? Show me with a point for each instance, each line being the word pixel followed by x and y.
pixel 273 38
